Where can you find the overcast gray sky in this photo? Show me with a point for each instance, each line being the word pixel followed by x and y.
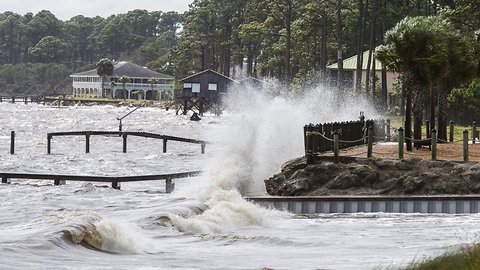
pixel 65 9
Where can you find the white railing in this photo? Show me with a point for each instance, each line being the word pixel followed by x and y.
pixel 142 86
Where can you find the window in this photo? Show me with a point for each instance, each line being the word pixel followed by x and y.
pixel 195 87
pixel 187 85
pixel 212 86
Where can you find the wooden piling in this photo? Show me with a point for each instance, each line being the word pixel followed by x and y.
pixel 49 143
pixel 116 185
pixel 169 185
pixel 12 142
pixel 465 145
pixel 87 143
pixel 401 138
pixel 389 132
pixel 451 131
pixel 370 142
pixel 203 148
pixel 164 145
pixel 58 182
pixel 13 99
pixel 124 136
pixel 474 131
pixel 336 146
pixel 5 180
pixel 434 144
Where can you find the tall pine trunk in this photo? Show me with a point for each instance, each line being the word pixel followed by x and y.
pixel 360 40
pixel 339 34
pixel 442 113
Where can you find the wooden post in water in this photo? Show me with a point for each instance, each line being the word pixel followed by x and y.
pixel 116 185
pixel 200 110
pixel 370 142
pixel 124 142
pixel 13 99
pixel 203 148
pixel 164 145
pixel 389 133
pixel 169 185
pixel 5 180
pixel 58 182
pixel 434 144
pixel 474 131
pixel 87 143
pixel 49 143
pixel 336 146
pixel 12 142
pixel 465 145
pixel 401 138
pixel 451 131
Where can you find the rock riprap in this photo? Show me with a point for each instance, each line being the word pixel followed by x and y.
pixel 360 176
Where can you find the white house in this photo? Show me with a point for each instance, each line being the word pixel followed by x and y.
pixel 89 84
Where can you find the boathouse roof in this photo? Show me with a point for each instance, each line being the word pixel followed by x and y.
pixel 206 72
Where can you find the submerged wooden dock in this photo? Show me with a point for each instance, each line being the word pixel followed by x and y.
pixel 124 135
pixel 60 179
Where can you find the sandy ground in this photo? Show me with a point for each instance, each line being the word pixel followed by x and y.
pixel 446 151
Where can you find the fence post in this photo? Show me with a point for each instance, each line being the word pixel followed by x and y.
pixel 336 146
pixel 401 138
pixel 451 131
pixel 427 127
pixel 370 142
pixel 434 144
pixel 309 145
pixel 474 131
pixel 465 145
pixel 389 133
pixel 12 142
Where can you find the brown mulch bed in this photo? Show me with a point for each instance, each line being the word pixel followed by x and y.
pixel 445 151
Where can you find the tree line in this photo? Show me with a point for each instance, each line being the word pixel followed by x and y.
pixel 287 39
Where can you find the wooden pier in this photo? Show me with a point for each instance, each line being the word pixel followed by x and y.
pixel 24 99
pixel 114 180
pixel 124 135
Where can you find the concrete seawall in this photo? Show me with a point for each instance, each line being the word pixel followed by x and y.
pixel 447 204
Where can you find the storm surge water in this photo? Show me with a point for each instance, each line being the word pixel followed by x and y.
pixel 264 129
pixel 206 223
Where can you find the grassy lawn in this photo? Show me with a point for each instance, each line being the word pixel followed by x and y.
pixel 398 121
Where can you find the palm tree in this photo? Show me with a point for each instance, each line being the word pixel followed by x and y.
pixel 124 79
pixel 153 81
pixel 410 49
pixel 460 67
pixel 104 68
pixel 113 85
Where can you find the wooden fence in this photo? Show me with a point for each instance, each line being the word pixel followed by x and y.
pixel 319 138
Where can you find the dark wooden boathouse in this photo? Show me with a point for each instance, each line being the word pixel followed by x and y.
pixel 203 91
